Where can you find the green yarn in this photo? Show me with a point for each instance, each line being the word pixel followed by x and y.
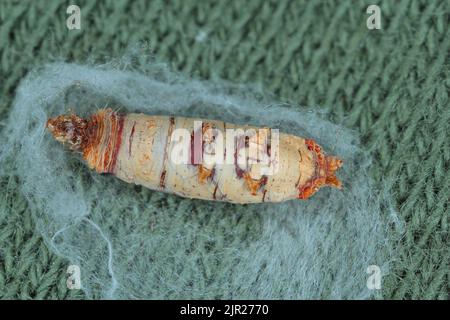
pixel 391 85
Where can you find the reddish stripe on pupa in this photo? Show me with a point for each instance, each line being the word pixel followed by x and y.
pixel 130 139
pixel 118 142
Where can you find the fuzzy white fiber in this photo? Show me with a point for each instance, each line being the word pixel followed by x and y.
pixel 131 242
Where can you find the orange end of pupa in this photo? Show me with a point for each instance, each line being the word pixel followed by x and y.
pixel 326 167
pixel 332 164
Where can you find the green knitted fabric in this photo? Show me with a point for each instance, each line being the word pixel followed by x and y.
pixel 390 85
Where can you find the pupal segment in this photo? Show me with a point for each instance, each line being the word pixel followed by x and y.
pixel 140 149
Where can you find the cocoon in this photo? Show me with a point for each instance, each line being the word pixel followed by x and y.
pixel 130 242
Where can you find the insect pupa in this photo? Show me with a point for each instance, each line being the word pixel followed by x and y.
pixel 199 158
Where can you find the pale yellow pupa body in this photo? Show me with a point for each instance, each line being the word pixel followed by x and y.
pixel 199 158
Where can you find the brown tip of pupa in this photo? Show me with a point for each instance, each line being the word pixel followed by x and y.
pixel 68 129
pixel 332 164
